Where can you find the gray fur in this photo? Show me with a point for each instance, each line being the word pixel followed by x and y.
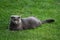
pixel 18 23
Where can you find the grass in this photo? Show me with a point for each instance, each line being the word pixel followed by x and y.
pixel 42 9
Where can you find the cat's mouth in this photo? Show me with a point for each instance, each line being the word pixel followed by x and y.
pixel 16 22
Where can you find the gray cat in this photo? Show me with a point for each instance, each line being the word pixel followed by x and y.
pixel 18 23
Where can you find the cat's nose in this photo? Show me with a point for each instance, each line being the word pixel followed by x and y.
pixel 15 19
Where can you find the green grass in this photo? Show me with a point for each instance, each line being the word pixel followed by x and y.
pixel 42 9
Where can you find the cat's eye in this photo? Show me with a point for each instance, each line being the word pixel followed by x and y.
pixel 12 17
pixel 18 17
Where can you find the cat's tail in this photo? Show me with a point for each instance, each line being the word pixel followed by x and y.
pixel 48 21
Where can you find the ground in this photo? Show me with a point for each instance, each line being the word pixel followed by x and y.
pixel 42 9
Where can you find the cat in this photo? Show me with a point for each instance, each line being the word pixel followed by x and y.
pixel 18 23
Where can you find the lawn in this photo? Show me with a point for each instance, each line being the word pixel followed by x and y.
pixel 42 9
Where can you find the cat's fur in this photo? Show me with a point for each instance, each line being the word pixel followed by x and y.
pixel 18 23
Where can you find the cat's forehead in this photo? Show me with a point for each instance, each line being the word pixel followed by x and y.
pixel 15 16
